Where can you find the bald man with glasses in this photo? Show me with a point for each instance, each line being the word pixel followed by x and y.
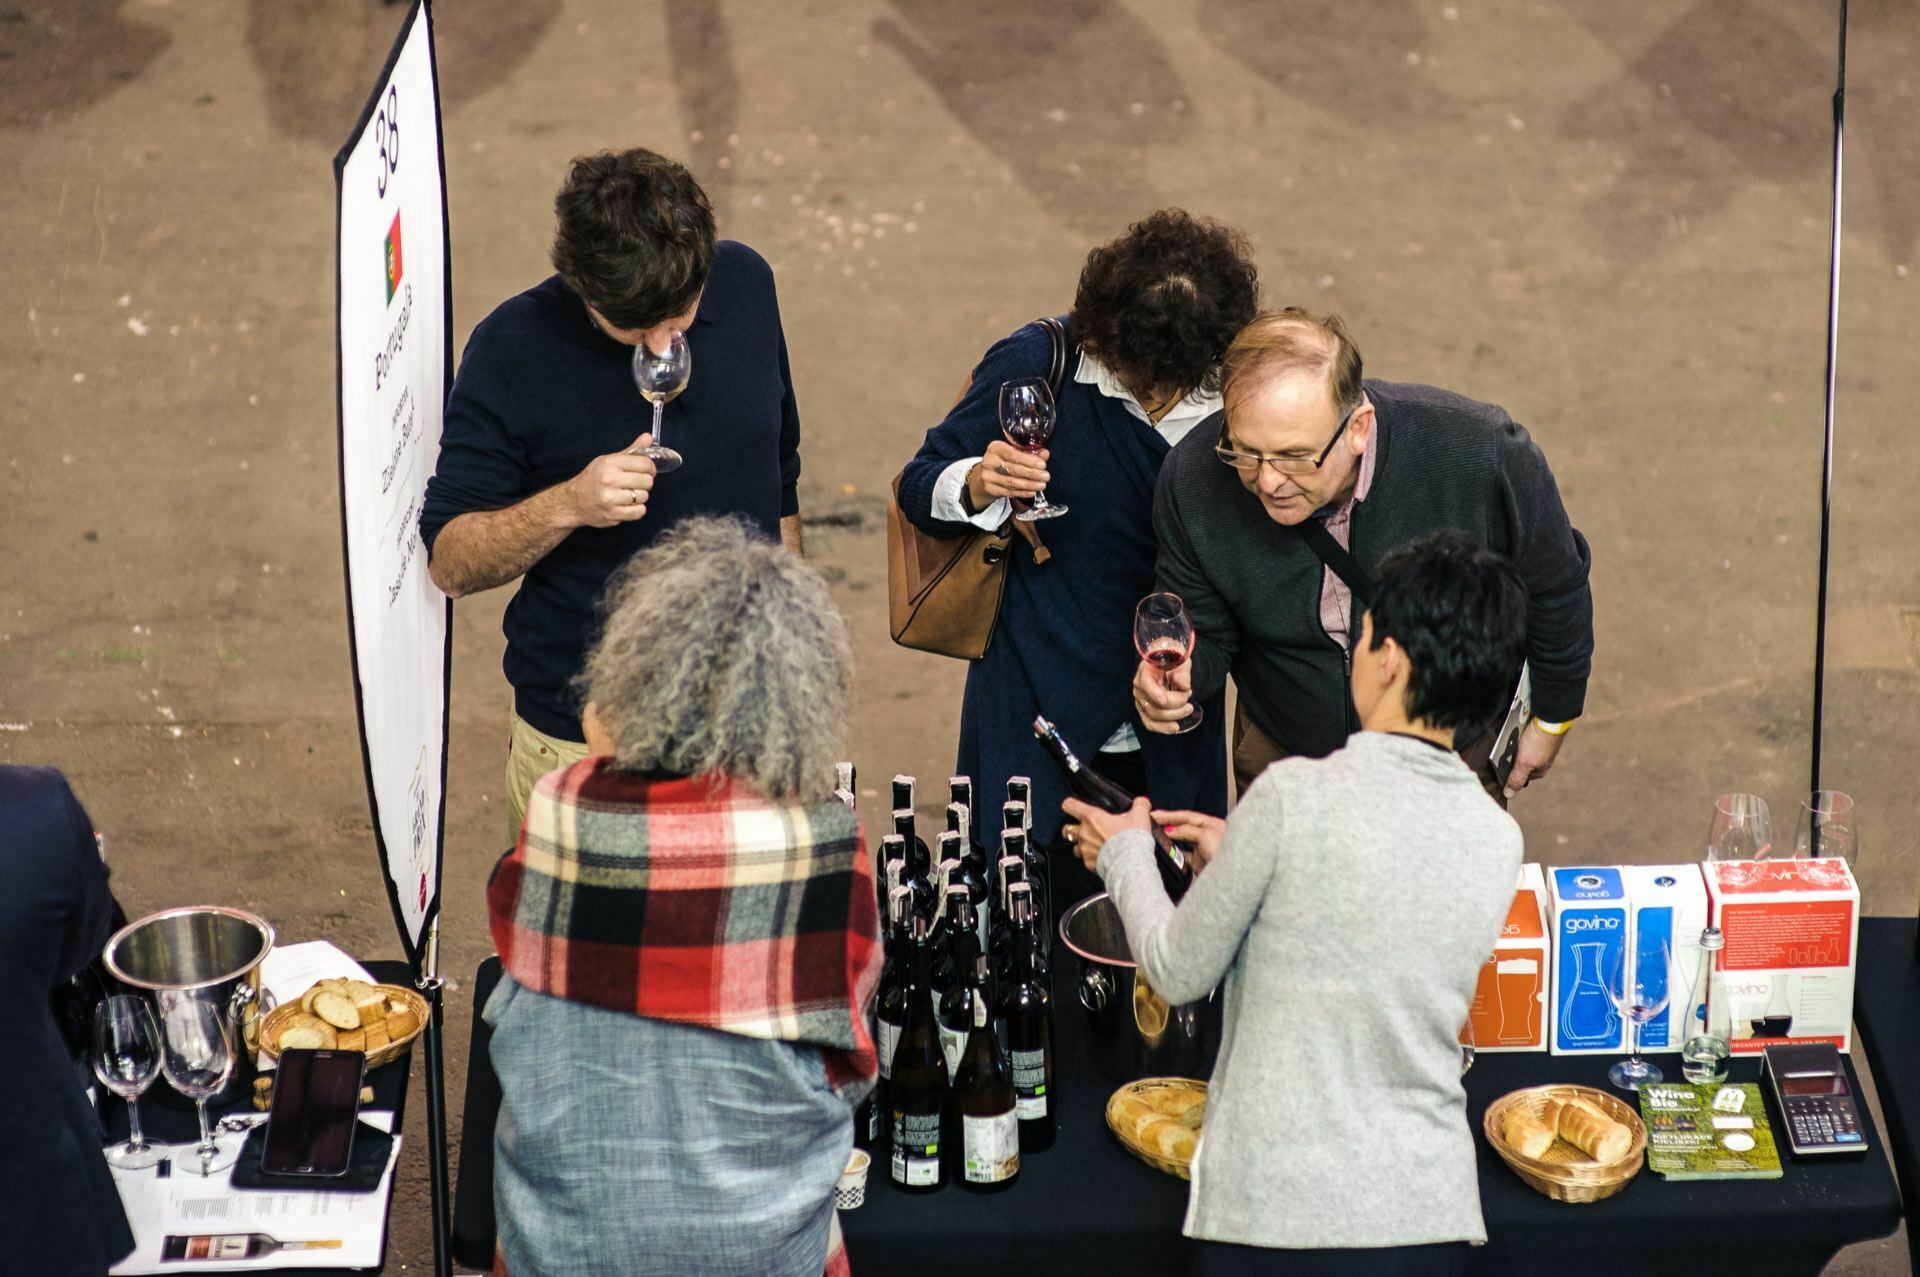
pixel 1270 518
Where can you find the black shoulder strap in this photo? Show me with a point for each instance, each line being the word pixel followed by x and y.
pixel 1334 555
pixel 1057 369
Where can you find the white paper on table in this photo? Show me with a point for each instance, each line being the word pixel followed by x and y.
pixel 186 1205
pixel 289 971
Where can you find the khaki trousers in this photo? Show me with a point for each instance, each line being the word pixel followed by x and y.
pixel 531 754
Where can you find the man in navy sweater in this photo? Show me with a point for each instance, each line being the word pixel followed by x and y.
pixel 540 474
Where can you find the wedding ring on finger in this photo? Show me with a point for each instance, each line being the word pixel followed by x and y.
pixel 1002 468
pixel 634 495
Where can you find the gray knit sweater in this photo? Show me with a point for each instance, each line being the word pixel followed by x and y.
pixel 1350 909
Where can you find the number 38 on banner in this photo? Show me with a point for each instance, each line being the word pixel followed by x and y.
pixel 386 135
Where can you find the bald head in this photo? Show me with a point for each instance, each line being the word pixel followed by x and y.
pixel 1287 344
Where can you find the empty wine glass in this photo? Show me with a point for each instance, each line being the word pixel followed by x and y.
pixel 1742 828
pixel 1828 827
pixel 126 1059
pixel 1026 418
pixel 197 1056
pixel 1163 635
pixel 661 375
pixel 1640 983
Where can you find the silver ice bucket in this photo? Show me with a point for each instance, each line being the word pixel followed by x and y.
pixel 1134 1032
pixel 200 951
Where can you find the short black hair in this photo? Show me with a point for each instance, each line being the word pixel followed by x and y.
pixel 1160 304
pixel 634 236
pixel 1459 611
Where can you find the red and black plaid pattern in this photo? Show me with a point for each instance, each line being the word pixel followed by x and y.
pixel 695 901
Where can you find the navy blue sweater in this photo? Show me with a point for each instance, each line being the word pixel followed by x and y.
pixel 1063 644
pixel 542 392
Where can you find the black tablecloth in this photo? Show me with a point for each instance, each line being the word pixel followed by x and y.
pixel 1087 1205
pixel 168 1124
pixel 1886 1011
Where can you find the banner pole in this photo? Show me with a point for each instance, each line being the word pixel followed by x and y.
pixel 1826 455
pixel 431 985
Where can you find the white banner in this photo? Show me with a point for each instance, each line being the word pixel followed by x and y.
pixel 393 336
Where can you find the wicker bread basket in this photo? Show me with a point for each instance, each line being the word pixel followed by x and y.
pixel 1565 1173
pixel 1142 1090
pixel 277 1019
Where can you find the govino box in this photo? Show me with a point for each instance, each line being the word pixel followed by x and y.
pixel 1509 1011
pixel 1587 922
pixel 1668 906
pixel 1792 930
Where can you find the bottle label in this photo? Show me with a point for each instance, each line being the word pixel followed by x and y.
pixel 1029 1083
pixel 991 1148
pixel 916 1149
pixel 952 1045
pixel 889 1036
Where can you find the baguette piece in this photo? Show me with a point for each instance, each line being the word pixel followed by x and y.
pixel 1588 1129
pixel 371 1002
pixel 401 1023
pixel 336 1008
pixel 1167 1137
pixel 1176 1102
pixel 1526 1134
pixel 308 1032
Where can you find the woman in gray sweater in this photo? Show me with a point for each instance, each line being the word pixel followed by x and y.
pixel 1349 902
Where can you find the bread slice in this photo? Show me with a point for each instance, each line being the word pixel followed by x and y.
pixel 370 1001
pixel 353 1040
pixel 400 1024
pixel 307 1032
pixel 337 1009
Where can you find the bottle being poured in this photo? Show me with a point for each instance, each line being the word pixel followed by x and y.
pixel 1089 786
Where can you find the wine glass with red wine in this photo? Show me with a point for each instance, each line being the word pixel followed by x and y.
pixel 1026 418
pixel 1163 635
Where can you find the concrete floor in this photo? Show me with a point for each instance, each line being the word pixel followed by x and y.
pixel 1611 219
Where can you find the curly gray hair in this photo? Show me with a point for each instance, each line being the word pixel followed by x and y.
pixel 722 652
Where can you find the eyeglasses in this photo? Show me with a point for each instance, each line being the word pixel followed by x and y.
pixel 1250 462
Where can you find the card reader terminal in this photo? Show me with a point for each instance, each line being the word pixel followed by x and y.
pixel 1816 1102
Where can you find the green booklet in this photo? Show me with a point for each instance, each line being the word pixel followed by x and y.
pixel 1700 1132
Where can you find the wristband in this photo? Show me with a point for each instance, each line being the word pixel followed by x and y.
pixel 1553 729
pixel 966 492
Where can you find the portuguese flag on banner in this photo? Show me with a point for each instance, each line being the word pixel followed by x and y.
pixel 393 255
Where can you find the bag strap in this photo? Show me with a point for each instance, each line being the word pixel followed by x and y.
pixel 1334 555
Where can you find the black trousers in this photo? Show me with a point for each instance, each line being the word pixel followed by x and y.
pixel 1222 1259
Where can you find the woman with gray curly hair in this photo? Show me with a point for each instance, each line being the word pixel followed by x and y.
pixel 688 937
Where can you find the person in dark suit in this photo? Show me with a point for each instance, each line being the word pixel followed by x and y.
pixel 55 915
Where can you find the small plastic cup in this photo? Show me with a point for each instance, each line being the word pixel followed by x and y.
pixel 851 1192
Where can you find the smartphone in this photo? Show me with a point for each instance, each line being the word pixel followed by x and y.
pixel 316 1105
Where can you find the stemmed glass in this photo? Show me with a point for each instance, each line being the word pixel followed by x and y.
pixel 1742 828
pixel 126 1059
pixel 1163 635
pixel 1640 984
pixel 1827 827
pixel 661 375
pixel 1026 418
pixel 198 1059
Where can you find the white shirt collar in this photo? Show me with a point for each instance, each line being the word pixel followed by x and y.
pixel 1182 417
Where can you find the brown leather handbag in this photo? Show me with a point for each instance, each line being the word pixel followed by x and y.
pixel 943 593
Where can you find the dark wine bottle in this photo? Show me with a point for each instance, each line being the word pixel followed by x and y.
pixel 1014 842
pixel 919 872
pixel 1089 786
pixel 1026 1006
pixel 966 874
pixel 953 1005
pixel 1013 815
pixel 893 851
pixel 1020 790
pixel 843 779
pixel 917 1090
pixel 983 1132
pixel 903 787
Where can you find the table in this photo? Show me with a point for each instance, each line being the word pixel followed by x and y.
pixel 167 1124
pixel 1886 1013
pixel 1088 1205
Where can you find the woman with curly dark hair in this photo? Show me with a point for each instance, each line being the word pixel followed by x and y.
pixel 1154 312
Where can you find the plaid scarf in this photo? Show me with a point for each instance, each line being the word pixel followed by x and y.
pixel 695 901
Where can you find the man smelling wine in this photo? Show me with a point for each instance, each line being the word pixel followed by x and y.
pixel 1318 907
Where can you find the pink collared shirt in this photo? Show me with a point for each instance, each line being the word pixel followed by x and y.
pixel 1336 600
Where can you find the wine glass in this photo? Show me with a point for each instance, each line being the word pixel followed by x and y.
pixel 197 1057
pixel 1026 418
pixel 1827 827
pixel 126 1059
pixel 1466 1046
pixel 1640 983
pixel 1742 828
pixel 1163 635
pixel 661 375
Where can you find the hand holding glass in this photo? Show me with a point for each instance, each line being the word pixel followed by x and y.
pixel 1163 635
pixel 1026 417
pixel 1640 984
pixel 198 1060
pixel 661 375
pixel 126 1059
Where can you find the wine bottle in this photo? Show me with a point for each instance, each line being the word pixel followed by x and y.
pixel 903 787
pixel 895 972
pixel 234 1246
pixel 1089 786
pixel 917 1091
pixel 1020 790
pixel 1015 842
pixel 967 875
pixel 919 871
pixel 1026 1006
pixel 1013 815
pixel 843 776
pixel 893 851
pixel 983 1131
pixel 954 1005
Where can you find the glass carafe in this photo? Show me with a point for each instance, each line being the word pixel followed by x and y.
pixel 1587 1016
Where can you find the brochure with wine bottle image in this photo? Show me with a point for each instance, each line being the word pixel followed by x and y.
pixel 1710 1131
